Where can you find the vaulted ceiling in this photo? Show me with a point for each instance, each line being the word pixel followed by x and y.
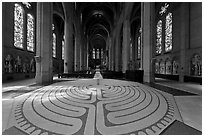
pixel 97 20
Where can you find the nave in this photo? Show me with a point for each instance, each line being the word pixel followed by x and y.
pixel 150 60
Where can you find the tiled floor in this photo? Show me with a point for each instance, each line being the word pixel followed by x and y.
pixel 91 106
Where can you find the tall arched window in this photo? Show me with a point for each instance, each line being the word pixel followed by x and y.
pixel 94 53
pixel 63 49
pixel 30 32
pixel 18 26
pixel 101 53
pixel 54 45
pixel 139 44
pixel 97 54
pixel 165 17
pixel 131 50
pixel 159 37
pixel 168 33
pixel 139 47
pixel 54 42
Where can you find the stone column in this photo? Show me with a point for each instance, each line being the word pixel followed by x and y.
pixel 126 45
pixel 68 47
pixel 141 36
pixel 44 43
pixel 77 52
pixel 184 38
pixel 59 50
pixel 148 38
pixel 133 53
pixel 109 53
pixel 81 54
pixel 85 56
pixel 117 52
pixel 87 51
pixel 136 50
pixel 113 54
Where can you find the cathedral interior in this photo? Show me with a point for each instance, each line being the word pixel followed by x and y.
pixel 102 68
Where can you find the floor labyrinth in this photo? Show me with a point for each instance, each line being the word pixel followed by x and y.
pixel 82 107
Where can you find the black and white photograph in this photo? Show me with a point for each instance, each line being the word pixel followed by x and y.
pixel 101 68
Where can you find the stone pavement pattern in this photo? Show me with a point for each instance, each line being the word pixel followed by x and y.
pixel 84 107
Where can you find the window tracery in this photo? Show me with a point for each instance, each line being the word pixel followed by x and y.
pixel 164 9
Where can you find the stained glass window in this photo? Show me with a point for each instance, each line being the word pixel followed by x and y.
pixel 139 47
pixel 93 53
pixel 18 26
pixel 101 53
pixel 159 37
pixel 168 33
pixel 30 32
pixel 62 49
pixel 54 45
pixel 63 44
pixel 97 54
pixel 130 50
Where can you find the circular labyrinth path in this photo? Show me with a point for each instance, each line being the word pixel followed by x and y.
pixel 83 107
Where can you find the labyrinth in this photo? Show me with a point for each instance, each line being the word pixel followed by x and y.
pixel 86 107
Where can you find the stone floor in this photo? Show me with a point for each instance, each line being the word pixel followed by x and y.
pixel 95 106
pixel 189 106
